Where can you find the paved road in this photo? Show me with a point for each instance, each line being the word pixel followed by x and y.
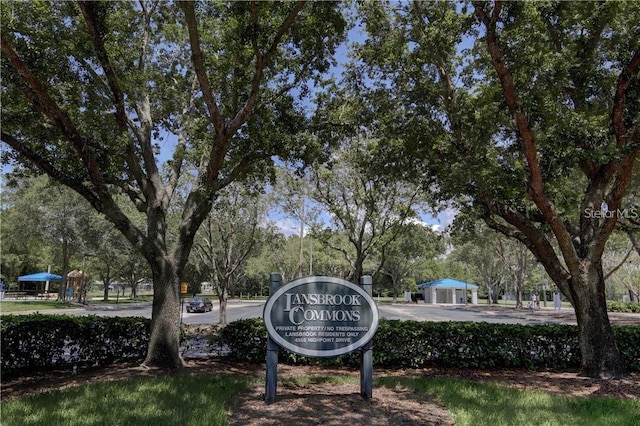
pixel 239 309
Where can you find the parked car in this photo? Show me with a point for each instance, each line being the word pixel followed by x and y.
pixel 199 304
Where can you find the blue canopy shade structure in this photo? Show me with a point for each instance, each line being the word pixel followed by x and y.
pixel 30 284
pixel 447 290
pixel 40 276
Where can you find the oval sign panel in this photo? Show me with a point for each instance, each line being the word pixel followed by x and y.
pixel 321 316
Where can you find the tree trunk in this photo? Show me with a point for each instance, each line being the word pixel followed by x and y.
pixel 518 289
pixel 223 306
pixel 62 292
pixel 164 342
pixel 358 269
pixel 395 283
pixel 601 357
pixel 492 294
pixel 493 288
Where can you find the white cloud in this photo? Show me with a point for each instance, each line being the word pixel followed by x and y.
pixel 446 217
pixel 287 225
pixel 440 222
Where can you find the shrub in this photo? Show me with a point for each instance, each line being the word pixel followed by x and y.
pixel 615 306
pixel 39 342
pixel 417 344
pixel 627 338
pixel 245 340
pixel 43 342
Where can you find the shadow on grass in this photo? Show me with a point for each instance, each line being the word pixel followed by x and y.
pixel 204 398
pixel 472 403
pixel 174 400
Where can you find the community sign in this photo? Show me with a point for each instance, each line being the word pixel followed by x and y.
pixel 321 316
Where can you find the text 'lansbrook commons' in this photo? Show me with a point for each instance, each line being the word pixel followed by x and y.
pixel 303 307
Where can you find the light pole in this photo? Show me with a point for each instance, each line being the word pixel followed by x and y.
pixel 310 256
pixel 301 238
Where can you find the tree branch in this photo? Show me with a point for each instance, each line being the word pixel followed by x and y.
pixel 619 265
pixel 634 241
pixel 198 64
pixel 529 235
pixel 622 168
pixel 88 10
pixel 50 109
pixel 46 166
pixel 619 99
pixel 536 184
pixel 262 61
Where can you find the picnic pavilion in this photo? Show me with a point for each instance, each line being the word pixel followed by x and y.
pixel 447 290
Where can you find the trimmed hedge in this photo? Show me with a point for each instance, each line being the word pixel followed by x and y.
pixel 417 344
pixel 44 342
pixel 629 307
pixel 40 342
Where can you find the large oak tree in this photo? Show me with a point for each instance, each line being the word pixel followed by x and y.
pixel 98 94
pixel 526 114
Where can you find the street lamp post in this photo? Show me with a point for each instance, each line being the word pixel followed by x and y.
pixel 300 265
pixel 310 256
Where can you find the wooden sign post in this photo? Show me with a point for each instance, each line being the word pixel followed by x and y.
pixel 272 353
pixel 366 360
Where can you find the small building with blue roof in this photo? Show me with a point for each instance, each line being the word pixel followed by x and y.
pixel 447 290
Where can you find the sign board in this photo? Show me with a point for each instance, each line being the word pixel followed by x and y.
pixel 321 316
pixel 184 288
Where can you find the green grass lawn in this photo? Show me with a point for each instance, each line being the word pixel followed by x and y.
pixel 205 399
pixel 9 306
pixel 6 307
pixel 160 401
pixel 472 403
